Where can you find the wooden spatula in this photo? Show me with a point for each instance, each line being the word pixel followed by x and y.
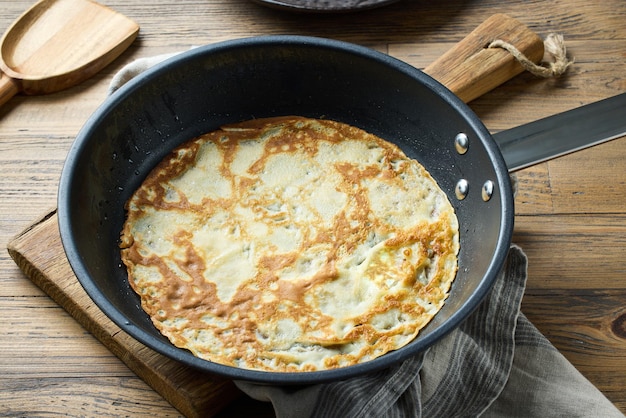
pixel 57 44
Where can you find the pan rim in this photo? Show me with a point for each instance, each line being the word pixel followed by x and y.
pixel 81 271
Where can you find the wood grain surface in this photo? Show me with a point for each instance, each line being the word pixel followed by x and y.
pixel 570 212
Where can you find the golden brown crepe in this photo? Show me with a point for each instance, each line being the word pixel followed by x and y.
pixel 290 244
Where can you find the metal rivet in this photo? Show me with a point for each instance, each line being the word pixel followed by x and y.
pixel 461 189
pixel 487 190
pixel 461 143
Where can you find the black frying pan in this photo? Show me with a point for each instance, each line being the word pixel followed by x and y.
pixel 204 88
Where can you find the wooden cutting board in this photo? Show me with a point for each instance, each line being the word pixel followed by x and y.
pixel 39 253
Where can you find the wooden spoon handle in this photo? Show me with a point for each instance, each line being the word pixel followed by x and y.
pixel 471 68
pixel 8 88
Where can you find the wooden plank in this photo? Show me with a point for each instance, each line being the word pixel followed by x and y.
pixel 71 397
pixel 534 192
pixel 574 252
pixel 599 177
pixel 593 337
pixel 47 347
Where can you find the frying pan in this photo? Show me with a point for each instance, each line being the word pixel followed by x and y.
pixel 204 88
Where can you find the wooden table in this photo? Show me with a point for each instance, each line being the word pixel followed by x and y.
pixel 571 212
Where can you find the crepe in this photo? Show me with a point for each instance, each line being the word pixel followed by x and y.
pixel 290 244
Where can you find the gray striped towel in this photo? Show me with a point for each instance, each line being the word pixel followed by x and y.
pixel 496 364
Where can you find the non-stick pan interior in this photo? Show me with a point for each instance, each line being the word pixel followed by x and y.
pixel 204 88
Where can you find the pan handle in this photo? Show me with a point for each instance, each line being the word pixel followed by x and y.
pixel 471 68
